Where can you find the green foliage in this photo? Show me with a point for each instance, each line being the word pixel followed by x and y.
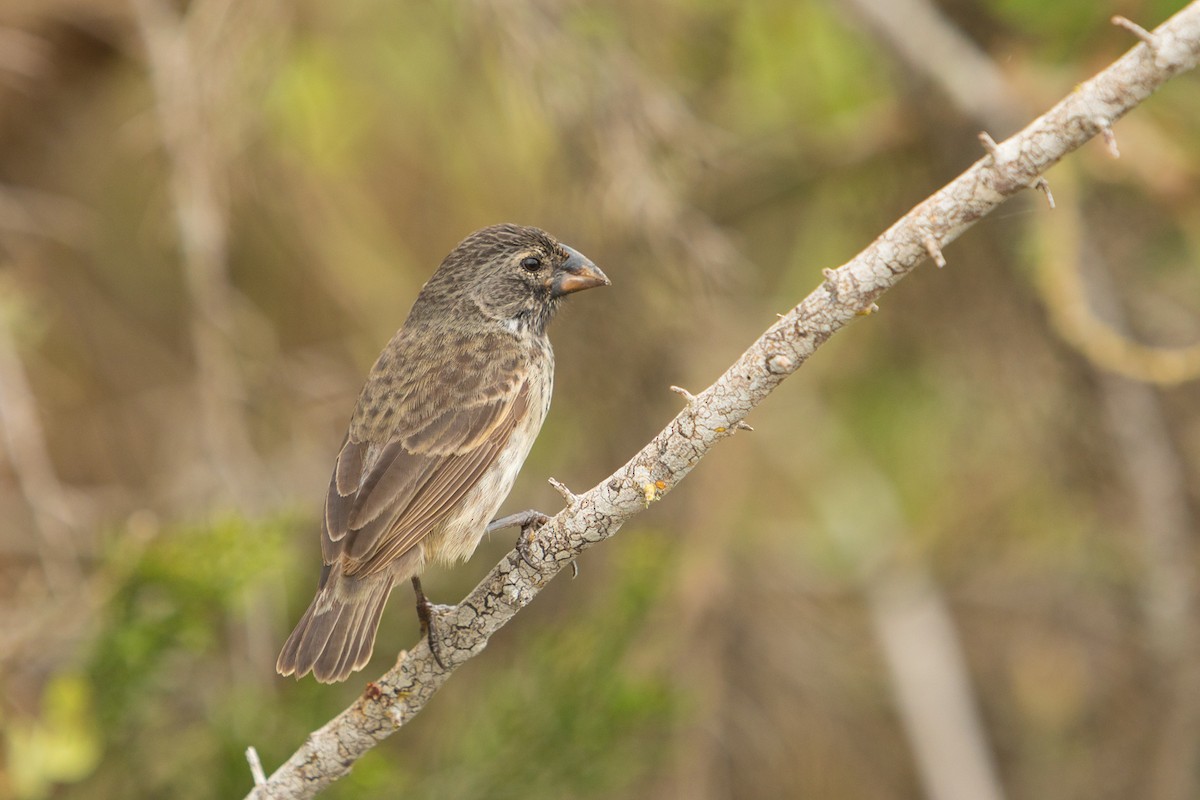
pixel 174 598
pixel 159 683
pixel 320 111
pixel 780 46
pixel 61 745
pixel 162 650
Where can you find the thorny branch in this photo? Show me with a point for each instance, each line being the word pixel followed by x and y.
pixel 1014 164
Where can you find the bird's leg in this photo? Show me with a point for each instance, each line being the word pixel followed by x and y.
pixel 425 615
pixel 529 522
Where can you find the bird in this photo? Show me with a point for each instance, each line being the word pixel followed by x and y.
pixel 446 418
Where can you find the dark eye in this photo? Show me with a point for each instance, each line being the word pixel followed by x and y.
pixel 531 263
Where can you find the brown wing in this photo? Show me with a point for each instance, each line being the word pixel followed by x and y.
pixel 414 482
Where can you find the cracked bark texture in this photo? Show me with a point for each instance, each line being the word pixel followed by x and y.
pixel 849 291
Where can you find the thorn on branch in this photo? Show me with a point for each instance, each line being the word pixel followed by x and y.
pixel 931 245
pixel 685 394
pixel 1146 36
pixel 737 426
pixel 1044 186
pixel 1110 138
pixel 256 767
pixel 989 144
pixel 574 569
pixel 831 282
pixel 569 497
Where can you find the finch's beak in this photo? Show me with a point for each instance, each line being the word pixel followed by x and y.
pixel 576 274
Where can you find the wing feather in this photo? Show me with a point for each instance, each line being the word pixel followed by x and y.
pixel 416 482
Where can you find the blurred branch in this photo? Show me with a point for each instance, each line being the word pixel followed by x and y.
pixel 1155 479
pixel 716 413
pixel 918 638
pixel 24 442
pixel 922 36
pixel 862 514
pixel 23 56
pixel 201 219
pixel 45 214
pixel 1108 346
pixel 922 648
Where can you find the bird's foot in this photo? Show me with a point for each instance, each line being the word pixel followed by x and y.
pixel 529 522
pixel 425 615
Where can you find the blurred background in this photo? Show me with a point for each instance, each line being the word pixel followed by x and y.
pixel 957 558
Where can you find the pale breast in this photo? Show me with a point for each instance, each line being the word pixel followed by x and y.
pixel 459 535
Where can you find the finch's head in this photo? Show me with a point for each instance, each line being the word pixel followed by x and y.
pixel 514 275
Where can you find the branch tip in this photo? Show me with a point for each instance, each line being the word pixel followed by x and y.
pixel 989 144
pixel 1110 138
pixel 569 497
pixel 256 767
pixel 831 282
pixel 685 394
pixel 931 245
pixel 1043 185
pixel 1137 30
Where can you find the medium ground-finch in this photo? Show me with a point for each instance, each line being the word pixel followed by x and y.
pixel 440 430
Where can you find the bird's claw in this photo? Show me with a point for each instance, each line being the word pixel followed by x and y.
pixel 523 542
pixel 529 522
pixel 426 616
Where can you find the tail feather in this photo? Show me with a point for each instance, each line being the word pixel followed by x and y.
pixel 359 647
pixel 336 635
pixel 345 646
